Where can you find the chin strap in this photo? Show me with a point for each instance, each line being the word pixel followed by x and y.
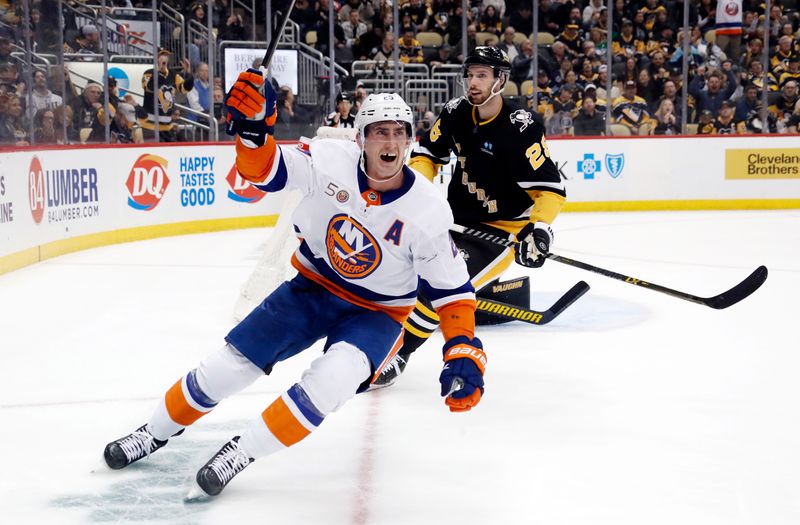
pixel 494 93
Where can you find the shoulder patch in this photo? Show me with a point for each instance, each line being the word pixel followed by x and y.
pixel 523 117
pixel 452 104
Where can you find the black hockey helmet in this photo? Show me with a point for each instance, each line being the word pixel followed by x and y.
pixel 488 56
pixel 344 96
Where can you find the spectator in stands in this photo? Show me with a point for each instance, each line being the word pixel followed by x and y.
pixel 587 74
pixel 233 29
pixel 629 109
pixel 416 10
pixel 592 11
pixel 385 51
pixel 353 28
pixel 359 97
pixel 755 75
pixel 343 117
pixel 705 125
pixel 626 45
pixel 646 88
pixel 6 39
pixel 158 107
pixel 521 66
pixel 199 98
pixel 783 106
pixel 560 122
pixel 88 114
pixel 791 72
pixel 490 21
pixel 507 44
pixel 589 121
pixel 410 49
pixel 521 18
pixel 471 43
pixel 755 49
pixel 41 96
pixel 424 124
pixel 406 24
pixel 719 86
pixel 748 104
pixel 666 121
pixel 793 124
pixel 453 32
pixel 444 55
pixel 671 93
pixel 44 129
pixel 725 123
pixel 365 9
pixel 558 54
pixel 87 42
pixel 547 20
pixel 13 125
pixel 368 42
pixel 571 40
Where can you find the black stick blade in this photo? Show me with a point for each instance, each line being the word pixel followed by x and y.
pixel 572 295
pixel 742 290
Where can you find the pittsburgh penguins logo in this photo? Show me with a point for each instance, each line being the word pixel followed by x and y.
pixel 523 117
pixel 352 250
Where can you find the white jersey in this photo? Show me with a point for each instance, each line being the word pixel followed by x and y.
pixel 372 249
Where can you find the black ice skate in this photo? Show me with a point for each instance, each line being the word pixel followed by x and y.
pixel 131 448
pixel 222 467
pixel 391 372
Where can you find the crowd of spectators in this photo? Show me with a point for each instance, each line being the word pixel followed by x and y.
pixel 725 68
pixel 726 73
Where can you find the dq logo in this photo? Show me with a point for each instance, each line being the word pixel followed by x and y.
pixel 241 190
pixel 352 250
pixel 36 190
pixel 147 182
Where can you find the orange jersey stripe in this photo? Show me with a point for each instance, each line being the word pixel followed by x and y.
pixel 254 165
pixel 398 313
pixel 458 318
pixel 178 408
pixel 282 423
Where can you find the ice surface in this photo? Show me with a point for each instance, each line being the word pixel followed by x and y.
pixel 632 408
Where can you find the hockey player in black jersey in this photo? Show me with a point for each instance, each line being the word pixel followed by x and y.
pixel 504 182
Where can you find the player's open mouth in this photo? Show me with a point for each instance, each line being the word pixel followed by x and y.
pixel 388 157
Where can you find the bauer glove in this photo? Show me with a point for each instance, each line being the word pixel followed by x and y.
pixel 534 244
pixel 462 375
pixel 252 111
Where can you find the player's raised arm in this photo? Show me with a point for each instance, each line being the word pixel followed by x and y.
pixel 252 111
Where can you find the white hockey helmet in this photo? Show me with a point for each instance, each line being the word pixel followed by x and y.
pixel 381 107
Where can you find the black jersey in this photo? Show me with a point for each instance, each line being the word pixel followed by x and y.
pixel 498 161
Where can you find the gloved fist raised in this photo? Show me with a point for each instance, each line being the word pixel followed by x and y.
pixel 534 244
pixel 462 375
pixel 251 105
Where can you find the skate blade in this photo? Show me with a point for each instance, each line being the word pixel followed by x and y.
pixel 195 494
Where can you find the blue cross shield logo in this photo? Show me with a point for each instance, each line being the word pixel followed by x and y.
pixel 588 166
pixel 614 164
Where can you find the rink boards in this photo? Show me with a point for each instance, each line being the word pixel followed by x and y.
pixel 55 201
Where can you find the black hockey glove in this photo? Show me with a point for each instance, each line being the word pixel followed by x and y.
pixel 534 244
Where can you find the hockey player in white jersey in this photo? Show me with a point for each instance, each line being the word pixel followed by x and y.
pixel 372 232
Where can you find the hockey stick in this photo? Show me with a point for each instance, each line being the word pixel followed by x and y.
pixel 516 313
pixel 284 17
pixel 718 302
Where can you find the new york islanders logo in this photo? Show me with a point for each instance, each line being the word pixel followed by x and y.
pixel 241 190
pixel 352 250
pixel 147 182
